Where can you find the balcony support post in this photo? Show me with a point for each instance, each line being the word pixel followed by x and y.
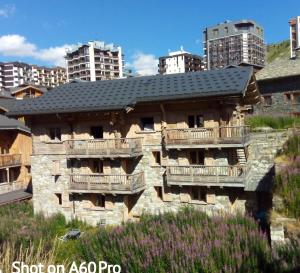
pixel 7 174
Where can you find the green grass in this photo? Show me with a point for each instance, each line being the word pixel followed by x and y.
pixel 281 122
pixel 20 227
pixel 292 149
pixel 279 50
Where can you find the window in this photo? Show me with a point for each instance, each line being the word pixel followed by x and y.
pixel 197 157
pixel 195 121
pixel 59 198
pixel 157 159
pixel 100 201
pixel 287 97
pixel 4 150
pixel 296 98
pixel 199 121
pixel 97 132
pixel 267 100
pixel 159 192
pixel 55 134
pixel 147 124
pixel 98 166
pixel 215 32
pixel 198 194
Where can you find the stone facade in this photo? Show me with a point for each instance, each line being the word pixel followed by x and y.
pixel 214 161
pixel 194 153
pixel 279 96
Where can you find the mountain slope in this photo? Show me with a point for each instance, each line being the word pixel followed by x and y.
pixel 281 50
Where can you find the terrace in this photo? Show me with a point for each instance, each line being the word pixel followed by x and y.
pixel 202 175
pixel 224 136
pixel 107 183
pixel 101 148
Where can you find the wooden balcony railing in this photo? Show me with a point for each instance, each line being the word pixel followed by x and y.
pixel 215 135
pixel 8 160
pixel 102 183
pixel 207 175
pixel 113 147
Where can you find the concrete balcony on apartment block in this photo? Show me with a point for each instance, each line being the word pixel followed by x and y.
pixel 201 175
pixel 107 183
pixel 213 137
pixel 104 148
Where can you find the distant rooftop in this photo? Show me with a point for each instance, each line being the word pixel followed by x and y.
pixel 96 44
pixel 19 88
pixel 181 51
pixel 280 68
pixel 12 124
pixel 229 28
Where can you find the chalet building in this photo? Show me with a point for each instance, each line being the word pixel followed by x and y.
pixel 27 91
pixel 279 85
pixel 15 151
pixel 107 151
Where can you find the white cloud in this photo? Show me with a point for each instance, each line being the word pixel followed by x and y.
pixel 144 64
pixel 53 55
pixel 14 45
pixel 7 10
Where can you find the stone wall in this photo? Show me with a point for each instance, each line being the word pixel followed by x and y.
pixel 279 105
pixel 262 151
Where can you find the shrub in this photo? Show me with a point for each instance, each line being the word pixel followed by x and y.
pixel 279 122
pixel 32 255
pixel 292 147
pixel 21 229
pixel 287 185
pixel 188 241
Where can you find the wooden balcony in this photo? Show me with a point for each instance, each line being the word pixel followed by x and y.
pixel 200 175
pixel 10 160
pixel 102 183
pixel 100 148
pixel 228 136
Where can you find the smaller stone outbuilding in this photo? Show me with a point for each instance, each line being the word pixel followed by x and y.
pixel 279 85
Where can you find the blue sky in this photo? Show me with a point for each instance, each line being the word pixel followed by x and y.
pixel 38 31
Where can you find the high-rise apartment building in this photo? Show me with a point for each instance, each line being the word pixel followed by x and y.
pixel 95 61
pixel 234 43
pixel 14 74
pixel 180 62
pixel 294 35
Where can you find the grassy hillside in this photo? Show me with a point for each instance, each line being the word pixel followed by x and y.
pixel 281 49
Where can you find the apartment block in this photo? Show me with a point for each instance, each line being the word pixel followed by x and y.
pixel 14 74
pixel 234 43
pixel 49 77
pixel 180 62
pixel 109 151
pixel 95 61
pixel 294 36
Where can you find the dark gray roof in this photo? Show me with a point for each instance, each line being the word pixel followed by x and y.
pixel 117 94
pixel 12 124
pixel 7 103
pixel 279 68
